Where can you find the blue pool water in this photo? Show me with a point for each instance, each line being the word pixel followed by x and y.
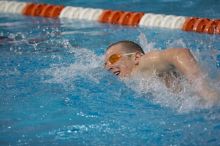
pixel 55 91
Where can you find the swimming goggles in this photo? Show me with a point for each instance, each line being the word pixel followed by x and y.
pixel 116 57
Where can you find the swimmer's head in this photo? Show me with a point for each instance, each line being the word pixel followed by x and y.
pixel 122 57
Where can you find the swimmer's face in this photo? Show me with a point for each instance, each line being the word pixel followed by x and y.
pixel 118 62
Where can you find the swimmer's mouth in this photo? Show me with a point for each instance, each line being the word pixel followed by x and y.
pixel 116 73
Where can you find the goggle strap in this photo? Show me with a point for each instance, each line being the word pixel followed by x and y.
pixel 128 54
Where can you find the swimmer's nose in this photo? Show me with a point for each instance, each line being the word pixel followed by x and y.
pixel 108 65
pixel 110 69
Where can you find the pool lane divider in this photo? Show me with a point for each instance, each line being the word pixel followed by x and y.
pixel 189 24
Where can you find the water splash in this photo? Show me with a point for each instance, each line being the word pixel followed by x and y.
pixel 152 88
pixel 176 44
pixel 145 44
pixel 86 65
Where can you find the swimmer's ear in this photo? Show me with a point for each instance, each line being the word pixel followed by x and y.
pixel 137 57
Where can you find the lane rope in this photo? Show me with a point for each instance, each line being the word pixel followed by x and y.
pixel 189 24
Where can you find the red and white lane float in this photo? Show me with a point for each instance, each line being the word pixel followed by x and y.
pixel 192 24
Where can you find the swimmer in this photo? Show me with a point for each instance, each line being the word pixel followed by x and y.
pixel 8 40
pixel 126 59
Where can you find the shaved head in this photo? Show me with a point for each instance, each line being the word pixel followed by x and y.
pixel 127 46
pixel 122 57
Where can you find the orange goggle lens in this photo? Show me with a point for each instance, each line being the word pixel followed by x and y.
pixel 114 58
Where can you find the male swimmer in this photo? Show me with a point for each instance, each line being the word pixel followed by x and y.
pixel 126 59
pixel 8 40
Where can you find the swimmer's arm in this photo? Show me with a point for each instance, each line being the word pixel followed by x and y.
pixel 183 60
